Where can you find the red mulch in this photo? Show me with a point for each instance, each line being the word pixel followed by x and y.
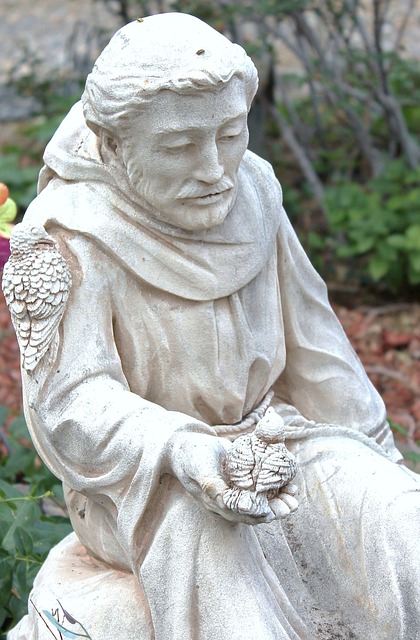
pixel 387 340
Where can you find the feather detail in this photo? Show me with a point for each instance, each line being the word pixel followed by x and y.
pixel 258 466
pixel 36 285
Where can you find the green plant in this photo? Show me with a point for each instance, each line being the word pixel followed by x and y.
pixel 52 96
pixel 378 224
pixel 21 179
pixel 26 533
pixel 21 161
pixel 414 454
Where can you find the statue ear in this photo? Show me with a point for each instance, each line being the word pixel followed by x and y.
pixel 108 145
pixel 108 142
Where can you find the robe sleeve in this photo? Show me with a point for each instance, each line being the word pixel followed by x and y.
pixel 98 437
pixel 323 377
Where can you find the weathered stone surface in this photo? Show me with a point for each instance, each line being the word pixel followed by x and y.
pixel 192 308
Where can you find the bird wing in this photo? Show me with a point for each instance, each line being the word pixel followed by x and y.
pixel 277 470
pixel 36 286
pixel 240 463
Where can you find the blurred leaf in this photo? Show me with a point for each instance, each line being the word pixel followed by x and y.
pixel 378 267
pixel 23 541
pixel 24 516
pixel 411 455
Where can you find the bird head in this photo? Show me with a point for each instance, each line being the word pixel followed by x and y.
pixel 271 427
pixel 24 237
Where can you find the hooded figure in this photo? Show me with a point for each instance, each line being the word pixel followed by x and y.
pixel 192 308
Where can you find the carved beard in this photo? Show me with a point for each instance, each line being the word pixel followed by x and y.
pixel 170 203
pixel 138 184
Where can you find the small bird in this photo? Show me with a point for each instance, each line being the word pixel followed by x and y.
pixel 258 466
pixel 36 285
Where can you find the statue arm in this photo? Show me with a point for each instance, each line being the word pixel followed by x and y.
pixel 90 429
pixel 105 442
pixel 323 377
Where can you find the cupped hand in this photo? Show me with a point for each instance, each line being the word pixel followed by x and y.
pixel 197 460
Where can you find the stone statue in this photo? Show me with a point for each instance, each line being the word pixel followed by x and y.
pixel 163 303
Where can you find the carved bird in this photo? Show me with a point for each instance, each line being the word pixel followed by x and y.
pixel 36 285
pixel 258 466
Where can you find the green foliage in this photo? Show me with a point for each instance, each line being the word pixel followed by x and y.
pixel 20 180
pixel 378 224
pixel 371 230
pixel 26 534
pixel 405 83
pixel 327 121
pixel 21 160
pixel 411 456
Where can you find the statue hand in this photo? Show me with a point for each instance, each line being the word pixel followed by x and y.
pixel 196 460
pixel 285 502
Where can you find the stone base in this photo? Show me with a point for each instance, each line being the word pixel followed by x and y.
pixel 104 600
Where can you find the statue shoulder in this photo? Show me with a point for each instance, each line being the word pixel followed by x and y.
pixel 261 174
pixel 258 167
pixel 60 200
pixel 58 209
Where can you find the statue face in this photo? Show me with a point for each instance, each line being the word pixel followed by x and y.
pixel 183 152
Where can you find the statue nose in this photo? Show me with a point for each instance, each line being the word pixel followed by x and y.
pixel 208 167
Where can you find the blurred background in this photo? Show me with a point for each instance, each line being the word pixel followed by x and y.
pixel 338 116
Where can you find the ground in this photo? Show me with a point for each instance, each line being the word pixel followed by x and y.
pixel 386 338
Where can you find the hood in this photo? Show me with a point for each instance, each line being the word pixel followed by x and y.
pixel 96 199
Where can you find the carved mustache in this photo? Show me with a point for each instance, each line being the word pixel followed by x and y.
pixel 192 190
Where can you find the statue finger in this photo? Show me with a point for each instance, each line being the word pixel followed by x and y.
pixel 290 501
pixel 218 506
pixel 243 518
pixel 214 487
pixel 290 489
pixel 279 508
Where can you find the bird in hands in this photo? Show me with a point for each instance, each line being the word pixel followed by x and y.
pixel 258 466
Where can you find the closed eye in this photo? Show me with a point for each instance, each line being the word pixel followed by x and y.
pixel 177 148
pixel 232 136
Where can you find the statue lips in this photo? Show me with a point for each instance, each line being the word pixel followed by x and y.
pixel 196 193
pixel 210 198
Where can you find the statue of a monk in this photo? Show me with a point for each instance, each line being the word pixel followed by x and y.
pixel 191 308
